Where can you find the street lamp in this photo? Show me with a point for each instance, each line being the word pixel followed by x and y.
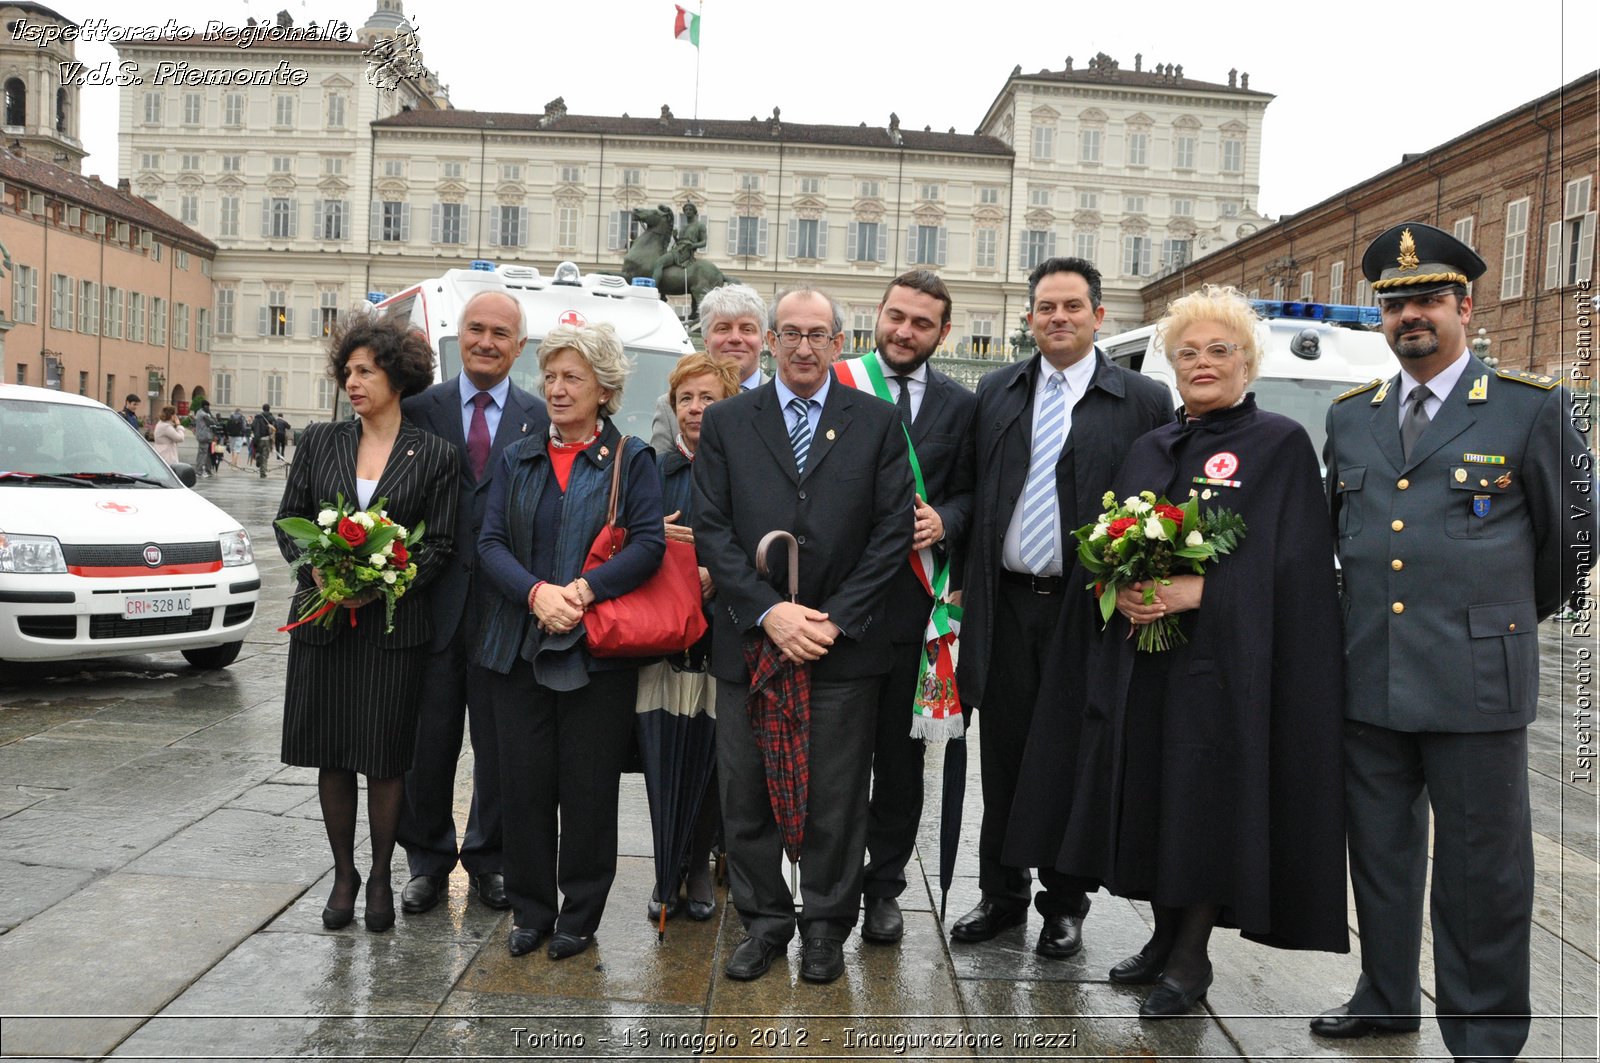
pixel 1480 347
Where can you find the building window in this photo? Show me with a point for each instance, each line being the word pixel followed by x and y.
pixel 83 383
pixel 1086 245
pixel 689 179
pixel 1182 207
pixel 808 238
pixel 928 243
pixel 1089 145
pixel 189 162
pixel 191 108
pixel 1569 247
pixel 282 164
pixel 1278 291
pixel 988 197
pixel 1175 254
pixel 1515 259
pixel 451 170
pixel 225 300
pixel 747 236
pixel 1308 285
pixel 1133 204
pixel 808 186
pixel 16 102
pixel 1037 245
pixel 136 317
pixel 233 109
pixel 228 216
pixel 22 373
pixel 189 209
pixel 510 171
pixel 1044 143
pixel 232 163
pixel 180 326
pixel 449 223
pixel 112 319
pixel 279 223
pixel 1088 200
pixel 273 389
pixel 60 301
pixel 930 193
pixel 155 251
pixel 224 389
pixel 202 330
pixel 863 325
pixel 394 221
pixel 150 160
pixel 1039 197
pixel 632 178
pixel 25 295
pixel 394 168
pixel 1135 256
pixel 328 312
pixel 283 111
pixel 567 227
pixel 1462 230
pixel 981 338
pixel 1336 283
pixel 1183 152
pixel 1230 208
pixel 571 175
pixel 158 321
pixel 277 318
pixel 152 108
pixel 330 219
pixel 89 308
pixel 984 243
pixel 333 165
pixel 621 230
pixel 335 111
pixel 509 226
pixel 1138 149
pixel 1233 155
pixel 865 242
pixel 324 394
pixel 868 190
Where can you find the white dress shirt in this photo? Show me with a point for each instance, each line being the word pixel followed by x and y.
pixel 1075 381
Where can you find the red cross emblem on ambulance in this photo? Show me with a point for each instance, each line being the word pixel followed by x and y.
pixel 116 507
pixel 573 319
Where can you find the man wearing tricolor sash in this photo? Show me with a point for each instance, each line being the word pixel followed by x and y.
pixel 917 700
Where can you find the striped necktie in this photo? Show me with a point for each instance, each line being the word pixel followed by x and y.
pixel 800 432
pixel 1037 539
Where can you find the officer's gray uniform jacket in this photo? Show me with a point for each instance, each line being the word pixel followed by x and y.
pixel 1451 559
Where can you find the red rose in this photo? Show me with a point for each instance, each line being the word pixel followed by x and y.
pixel 1120 525
pixel 351 532
pixel 400 555
pixel 1172 513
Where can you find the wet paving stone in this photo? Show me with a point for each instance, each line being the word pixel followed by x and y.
pixel 231 843
pixel 191 782
pixel 28 889
pixel 375 1039
pixel 122 946
pixel 459 917
pixel 98 840
pixel 276 798
pixel 473 1025
pixel 1113 931
pixel 258 729
pixel 31 718
pixel 1084 1020
pixel 63 763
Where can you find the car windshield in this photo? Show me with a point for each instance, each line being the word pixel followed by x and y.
pixel 1306 401
pixel 45 439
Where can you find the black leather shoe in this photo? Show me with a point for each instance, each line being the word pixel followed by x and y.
pixel 882 924
pixel 699 911
pixel 1060 937
pixel 524 940
pixel 1169 999
pixel 822 961
pixel 339 918
pixel 1139 969
pixel 491 890
pixel 652 909
pixel 563 944
pixel 422 893
pixel 751 959
pixel 987 920
pixel 1339 1024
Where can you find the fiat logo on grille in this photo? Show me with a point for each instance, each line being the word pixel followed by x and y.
pixel 152 555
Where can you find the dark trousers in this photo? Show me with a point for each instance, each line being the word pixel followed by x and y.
pixel 1024 637
pixel 835 840
pixel 1482 897
pixel 452 699
pixel 561 759
pixel 896 807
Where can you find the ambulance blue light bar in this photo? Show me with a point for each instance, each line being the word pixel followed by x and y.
pixel 482 265
pixel 376 297
pixel 1333 313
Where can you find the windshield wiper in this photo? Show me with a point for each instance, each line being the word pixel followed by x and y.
pixel 120 477
pixel 46 477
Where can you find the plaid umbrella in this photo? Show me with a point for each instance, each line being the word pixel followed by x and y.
pixel 677 730
pixel 950 808
pixel 779 705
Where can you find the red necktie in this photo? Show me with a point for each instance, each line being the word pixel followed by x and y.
pixel 478 435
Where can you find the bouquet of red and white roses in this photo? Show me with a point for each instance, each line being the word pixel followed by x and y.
pixel 1145 540
pixel 356 551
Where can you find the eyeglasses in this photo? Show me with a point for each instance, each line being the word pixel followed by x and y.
pixel 1216 352
pixel 789 339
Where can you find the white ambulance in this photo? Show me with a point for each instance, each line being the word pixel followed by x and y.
pixel 104 550
pixel 1310 354
pixel 649 328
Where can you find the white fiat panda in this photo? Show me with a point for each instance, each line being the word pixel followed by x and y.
pixel 104 550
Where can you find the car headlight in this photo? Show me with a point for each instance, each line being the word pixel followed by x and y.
pixel 236 549
pixel 31 554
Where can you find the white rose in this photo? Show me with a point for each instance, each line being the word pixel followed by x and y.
pixel 1137 506
pixel 1194 538
pixel 363 518
pixel 327 518
pixel 389 576
pixel 1153 528
pixel 1101 530
pixel 378 560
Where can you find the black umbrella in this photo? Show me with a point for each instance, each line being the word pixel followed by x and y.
pixel 677 749
pixel 950 807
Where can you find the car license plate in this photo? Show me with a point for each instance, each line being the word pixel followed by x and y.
pixel 154 606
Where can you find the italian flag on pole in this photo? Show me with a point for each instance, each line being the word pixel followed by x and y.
pixel 686 27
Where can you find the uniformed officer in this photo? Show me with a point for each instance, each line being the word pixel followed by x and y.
pixel 1449 486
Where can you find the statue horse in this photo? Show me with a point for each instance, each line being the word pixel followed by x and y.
pixel 652 244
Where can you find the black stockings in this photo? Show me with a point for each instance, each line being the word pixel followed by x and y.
pixel 1181 936
pixel 336 789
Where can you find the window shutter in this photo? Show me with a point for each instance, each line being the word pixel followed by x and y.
pixel 882 234
pixel 943 233
pixel 375 229
pixel 1552 256
pixel 1050 245
pixel 1586 246
pixel 405 222
pixel 435 223
pixel 822 239
pixel 319 223
pixel 761 238
pixel 852 240
pixel 522 226
pixel 794 237
pixel 294 218
pixel 288 321
pixel 614 232
pixel 733 236
pixel 266 216
pixel 1022 253
pixel 261 321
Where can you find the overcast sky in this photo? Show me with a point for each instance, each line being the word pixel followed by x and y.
pixel 1357 84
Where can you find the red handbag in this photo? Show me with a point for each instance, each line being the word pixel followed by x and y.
pixel 662 615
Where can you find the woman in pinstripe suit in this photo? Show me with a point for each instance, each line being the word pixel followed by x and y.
pixel 350 706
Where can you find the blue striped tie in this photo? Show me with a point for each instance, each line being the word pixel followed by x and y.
pixel 1037 538
pixel 800 432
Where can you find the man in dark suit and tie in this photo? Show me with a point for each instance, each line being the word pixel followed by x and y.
pixel 1463 502
pixel 480 411
pixel 1050 434
pixel 827 463
pixel 913 319
pixel 733 320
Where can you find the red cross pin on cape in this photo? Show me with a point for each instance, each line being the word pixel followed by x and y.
pixel 1220 469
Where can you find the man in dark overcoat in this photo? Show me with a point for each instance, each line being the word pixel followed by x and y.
pixel 1462 501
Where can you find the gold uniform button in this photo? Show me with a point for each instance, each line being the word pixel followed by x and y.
pixel 1398 607
pixel 1398 525
pixel 1512 627
pixel 1483 483
pixel 1403 484
pixel 1397 564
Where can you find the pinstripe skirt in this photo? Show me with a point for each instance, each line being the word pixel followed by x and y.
pixel 352 704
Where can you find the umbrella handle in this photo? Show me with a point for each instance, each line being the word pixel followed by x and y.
pixel 794 559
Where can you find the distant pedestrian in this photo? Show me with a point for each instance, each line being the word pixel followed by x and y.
pixel 130 412
pixel 262 427
pixel 280 434
pixel 166 434
pixel 205 433
pixel 238 428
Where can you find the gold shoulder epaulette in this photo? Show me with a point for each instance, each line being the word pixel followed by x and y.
pixel 1538 380
pixel 1368 386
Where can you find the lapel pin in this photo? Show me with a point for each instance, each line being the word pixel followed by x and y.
pixel 410 453
pixel 1461 476
pixel 1504 481
pixel 830 433
pixel 605 452
pixel 524 426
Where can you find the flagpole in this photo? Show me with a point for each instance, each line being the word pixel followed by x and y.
pixel 702 7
